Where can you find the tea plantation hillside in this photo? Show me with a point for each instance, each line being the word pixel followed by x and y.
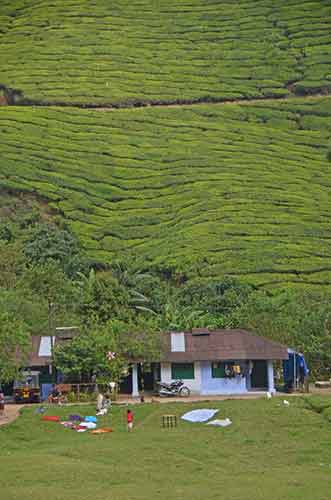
pixel 247 187
pixel 124 52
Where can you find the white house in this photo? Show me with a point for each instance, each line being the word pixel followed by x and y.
pixel 218 362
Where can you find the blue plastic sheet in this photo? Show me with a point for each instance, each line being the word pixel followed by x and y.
pixel 90 419
pixel 294 367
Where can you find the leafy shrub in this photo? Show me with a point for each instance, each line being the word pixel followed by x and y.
pixel 84 397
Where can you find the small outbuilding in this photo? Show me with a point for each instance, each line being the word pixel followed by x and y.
pixel 38 370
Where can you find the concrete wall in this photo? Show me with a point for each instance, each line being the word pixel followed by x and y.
pixel 193 384
pixel 210 385
pixel 205 384
pixel 271 380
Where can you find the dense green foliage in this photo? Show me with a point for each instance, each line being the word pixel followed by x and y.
pixel 122 308
pixel 14 345
pixel 240 190
pixel 87 356
pixel 132 51
pixel 270 451
pixel 300 319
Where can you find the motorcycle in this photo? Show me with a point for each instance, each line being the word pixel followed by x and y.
pixel 176 388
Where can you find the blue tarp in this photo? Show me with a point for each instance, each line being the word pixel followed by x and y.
pixel 46 389
pixel 295 367
pixel 90 419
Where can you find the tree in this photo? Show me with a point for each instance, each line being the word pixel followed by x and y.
pixel 14 345
pixel 57 293
pixel 175 317
pixel 298 318
pixel 214 298
pixel 102 296
pixel 28 306
pixel 87 354
pixel 11 263
pixel 47 242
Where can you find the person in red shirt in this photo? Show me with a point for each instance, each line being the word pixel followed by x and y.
pixel 129 418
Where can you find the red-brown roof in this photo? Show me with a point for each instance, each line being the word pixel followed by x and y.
pixel 204 345
pixel 200 345
pixel 34 359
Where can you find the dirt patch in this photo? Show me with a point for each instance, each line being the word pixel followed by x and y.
pixel 3 100
pixel 11 96
pixel 177 103
pixel 10 414
pixel 12 201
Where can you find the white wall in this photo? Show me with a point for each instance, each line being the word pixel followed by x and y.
pixel 219 386
pixel 193 384
pixel 135 390
pixel 271 382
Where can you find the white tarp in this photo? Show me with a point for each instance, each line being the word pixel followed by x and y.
pixel 88 425
pixel 199 415
pixel 220 423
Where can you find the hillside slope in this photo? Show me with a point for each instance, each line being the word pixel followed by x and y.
pixel 246 186
pixel 124 52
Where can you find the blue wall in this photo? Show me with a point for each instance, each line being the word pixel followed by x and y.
pixel 215 386
pixel 46 389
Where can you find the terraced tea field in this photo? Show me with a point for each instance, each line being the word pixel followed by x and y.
pixel 124 52
pixel 246 186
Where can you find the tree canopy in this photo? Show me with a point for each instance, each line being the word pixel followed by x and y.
pixel 14 345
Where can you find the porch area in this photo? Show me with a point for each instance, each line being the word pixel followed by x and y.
pixel 203 378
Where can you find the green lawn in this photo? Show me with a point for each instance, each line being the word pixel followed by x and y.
pixel 271 451
pixel 137 51
pixel 245 186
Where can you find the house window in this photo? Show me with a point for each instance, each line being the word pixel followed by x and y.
pixel 182 371
pixel 222 370
pixel 217 370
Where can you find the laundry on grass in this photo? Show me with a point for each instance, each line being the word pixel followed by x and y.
pixel 199 415
pixel 220 423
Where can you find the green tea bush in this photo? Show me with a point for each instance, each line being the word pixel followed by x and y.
pixel 130 53
pixel 245 186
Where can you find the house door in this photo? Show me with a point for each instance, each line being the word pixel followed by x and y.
pixel 146 378
pixel 259 377
pixel 126 384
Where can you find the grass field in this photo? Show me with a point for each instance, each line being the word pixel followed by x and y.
pixel 245 186
pixel 271 451
pixel 136 51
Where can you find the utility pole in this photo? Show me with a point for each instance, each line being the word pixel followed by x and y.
pixel 51 330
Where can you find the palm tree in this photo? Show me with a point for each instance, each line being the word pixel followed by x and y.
pixel 176 317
